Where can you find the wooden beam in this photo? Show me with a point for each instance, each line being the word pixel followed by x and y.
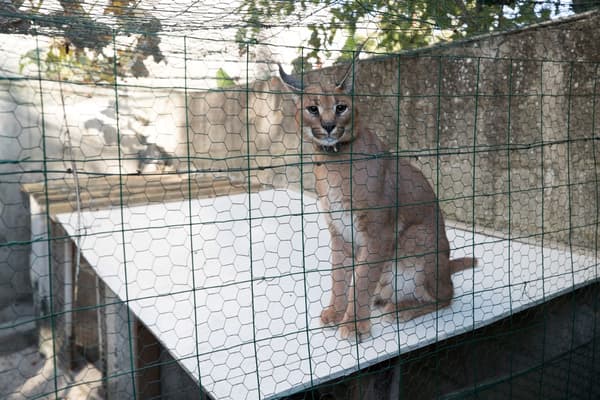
pixel 114 190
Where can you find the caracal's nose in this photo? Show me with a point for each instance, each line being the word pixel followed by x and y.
pixel 329 127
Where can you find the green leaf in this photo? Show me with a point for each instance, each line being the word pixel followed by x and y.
pixel 224 81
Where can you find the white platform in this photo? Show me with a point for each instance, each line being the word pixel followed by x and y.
pixel 259 264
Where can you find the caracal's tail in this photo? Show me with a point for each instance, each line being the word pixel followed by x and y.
pixel 459 264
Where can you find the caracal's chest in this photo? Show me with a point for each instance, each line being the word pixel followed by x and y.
pixel 343 219
pixel 349 197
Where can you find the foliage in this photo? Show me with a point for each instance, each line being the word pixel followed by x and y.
pixel 301 65
pixel 224 81
pixel 63 62
pixel 400 24
pixel 352 44
pixel 82 48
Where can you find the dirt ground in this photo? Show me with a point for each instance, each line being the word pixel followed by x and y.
pixel 27 374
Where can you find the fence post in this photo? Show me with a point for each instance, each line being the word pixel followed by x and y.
pixel 39 273
pixel 117 356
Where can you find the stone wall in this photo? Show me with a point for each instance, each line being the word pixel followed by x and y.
pixel 537 122
pixel 508 143
pixel 504 126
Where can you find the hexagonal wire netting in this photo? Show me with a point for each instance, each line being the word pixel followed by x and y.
pixel 183 238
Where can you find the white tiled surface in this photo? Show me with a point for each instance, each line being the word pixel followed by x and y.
pixel 261 278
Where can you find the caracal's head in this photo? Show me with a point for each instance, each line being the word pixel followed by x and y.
pixel 325 111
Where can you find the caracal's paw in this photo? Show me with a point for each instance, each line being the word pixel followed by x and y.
pixel 350 329
pixel 330 317
pixel 392 313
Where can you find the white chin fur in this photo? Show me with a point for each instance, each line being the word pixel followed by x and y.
pixel 327 142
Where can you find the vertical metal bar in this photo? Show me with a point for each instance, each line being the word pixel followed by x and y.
pixel 473 206
pixel 594 372
pixel 304 272
pixel 437 213
pixel 191 227
pixel 130 329
pixel 250 219
pixel 51 314
pixel 570 207
pixel 68 297
pixel 397 256
pixel 543 235
pixel 509 233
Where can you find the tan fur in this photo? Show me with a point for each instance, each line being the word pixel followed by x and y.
pixel 379 209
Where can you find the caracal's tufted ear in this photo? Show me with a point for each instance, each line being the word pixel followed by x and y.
pixel 291 82
pixel 346 84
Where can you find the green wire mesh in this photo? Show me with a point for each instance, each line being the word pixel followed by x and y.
pixel 169 236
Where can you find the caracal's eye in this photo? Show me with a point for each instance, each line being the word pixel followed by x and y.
pixel 340 108
pixel 314 110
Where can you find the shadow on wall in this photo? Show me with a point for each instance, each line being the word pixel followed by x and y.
pixel 38 147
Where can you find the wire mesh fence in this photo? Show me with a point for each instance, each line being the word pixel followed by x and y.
pixel 182 234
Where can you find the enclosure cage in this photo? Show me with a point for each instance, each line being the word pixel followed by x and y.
pixel 175 248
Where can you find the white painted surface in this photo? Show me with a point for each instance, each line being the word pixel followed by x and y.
pixel 262 278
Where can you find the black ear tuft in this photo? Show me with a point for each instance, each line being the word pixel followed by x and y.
pixel 347 82
pixel 291 82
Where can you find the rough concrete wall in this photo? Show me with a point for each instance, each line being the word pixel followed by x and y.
pixel 33 137
pixel 227 126
pixel 502 125
pixel 251 132
pixel 494 137
pixel 538 113
pixel 20 139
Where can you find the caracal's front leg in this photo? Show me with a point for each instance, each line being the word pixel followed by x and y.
pixel 341 276
pixel 367 273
